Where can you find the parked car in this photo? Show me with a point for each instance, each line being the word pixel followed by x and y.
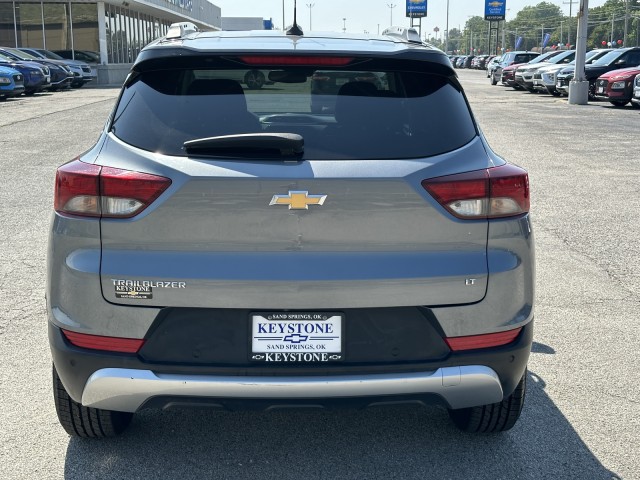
pixel 82 73
pixel 60 75
pixel 225 247
pixel 481 62
pixel 11 83
pixel 617 86
pixel 325 85
pixel 564 76
pixel 525 73
pixel 613 60
pixel 492 65
pixel 544 80
pixel 86 56
pixel 34 76
pixel 635 100
pixel 508 76
pixel 467 61
pixel 460 62
pixel 511 58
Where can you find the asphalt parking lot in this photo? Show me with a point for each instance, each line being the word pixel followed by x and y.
pixel 581 417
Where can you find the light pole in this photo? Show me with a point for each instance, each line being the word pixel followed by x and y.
pixel 446 40
pixel 344 25
pixel 310 5
pixel 391 7
pixel 284 27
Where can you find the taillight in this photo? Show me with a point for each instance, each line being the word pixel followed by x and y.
pixel 491 193
pixel 488 340
pixel 96 342
pixel 95 191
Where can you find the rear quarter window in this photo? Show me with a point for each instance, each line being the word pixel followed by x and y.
pixel 341 114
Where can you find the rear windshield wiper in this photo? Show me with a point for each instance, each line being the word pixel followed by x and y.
pixel 250 145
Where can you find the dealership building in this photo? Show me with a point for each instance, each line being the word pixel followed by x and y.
pixel 116 30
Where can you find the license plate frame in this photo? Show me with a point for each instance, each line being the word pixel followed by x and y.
pixel 296 337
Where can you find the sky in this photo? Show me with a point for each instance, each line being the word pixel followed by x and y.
pixel 369 15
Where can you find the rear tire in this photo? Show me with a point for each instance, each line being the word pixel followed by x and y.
pixel 85 422
pixel 493 418
pixel 617 103
pixel 494 81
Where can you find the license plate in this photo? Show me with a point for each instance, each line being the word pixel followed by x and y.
pixel 600 89
pixel 296 337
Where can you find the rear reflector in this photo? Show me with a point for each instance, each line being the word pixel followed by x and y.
pixel 491 193
pixel 95 191
pixel 111 344
pixel 488 340
pixel 296 60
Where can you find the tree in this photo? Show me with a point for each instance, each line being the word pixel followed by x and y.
pixel 530 22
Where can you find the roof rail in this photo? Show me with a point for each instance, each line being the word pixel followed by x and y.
pixel 409 35
pixel 181 30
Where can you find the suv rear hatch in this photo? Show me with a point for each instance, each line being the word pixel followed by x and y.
pixel 249 223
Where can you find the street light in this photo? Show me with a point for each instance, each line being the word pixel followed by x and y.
pixel 391 7
pixel 446 40
pixel 310 5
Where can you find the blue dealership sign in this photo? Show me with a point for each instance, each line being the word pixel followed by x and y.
pixel 495 10
pixel 416 8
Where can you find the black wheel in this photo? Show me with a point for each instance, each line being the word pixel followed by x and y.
pixel 617 103
pixel 254 79
pixel 592 91
pixel 86 422
pixel 493 418
pixel 516 87
pixel 494 81
pixel 553 92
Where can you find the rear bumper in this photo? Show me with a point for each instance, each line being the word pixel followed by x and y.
pixel 127 390
pixel 125 382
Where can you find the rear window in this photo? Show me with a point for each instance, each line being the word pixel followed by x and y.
pixel 524 57
pixel 350 114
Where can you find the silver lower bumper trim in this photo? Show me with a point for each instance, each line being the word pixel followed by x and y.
pixel 127 390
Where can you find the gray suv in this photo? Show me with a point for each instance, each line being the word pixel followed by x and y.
pixel 237 248
pixel 507 59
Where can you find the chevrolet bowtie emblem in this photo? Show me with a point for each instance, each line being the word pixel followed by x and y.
pixel 298 200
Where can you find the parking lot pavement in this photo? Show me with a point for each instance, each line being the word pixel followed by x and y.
pixel 581 415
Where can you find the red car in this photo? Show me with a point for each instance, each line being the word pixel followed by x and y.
pixel 616 86
pixel 508 76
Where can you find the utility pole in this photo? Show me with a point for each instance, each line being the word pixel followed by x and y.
pixel 284 27
pixel 613 19
pixel 446 40
pixel 504 36
pixel 391 7
pixel 561 32
pixel 570 3
pixel 310 5
pixel 542 40
pixel 626 23
pixel 579 86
